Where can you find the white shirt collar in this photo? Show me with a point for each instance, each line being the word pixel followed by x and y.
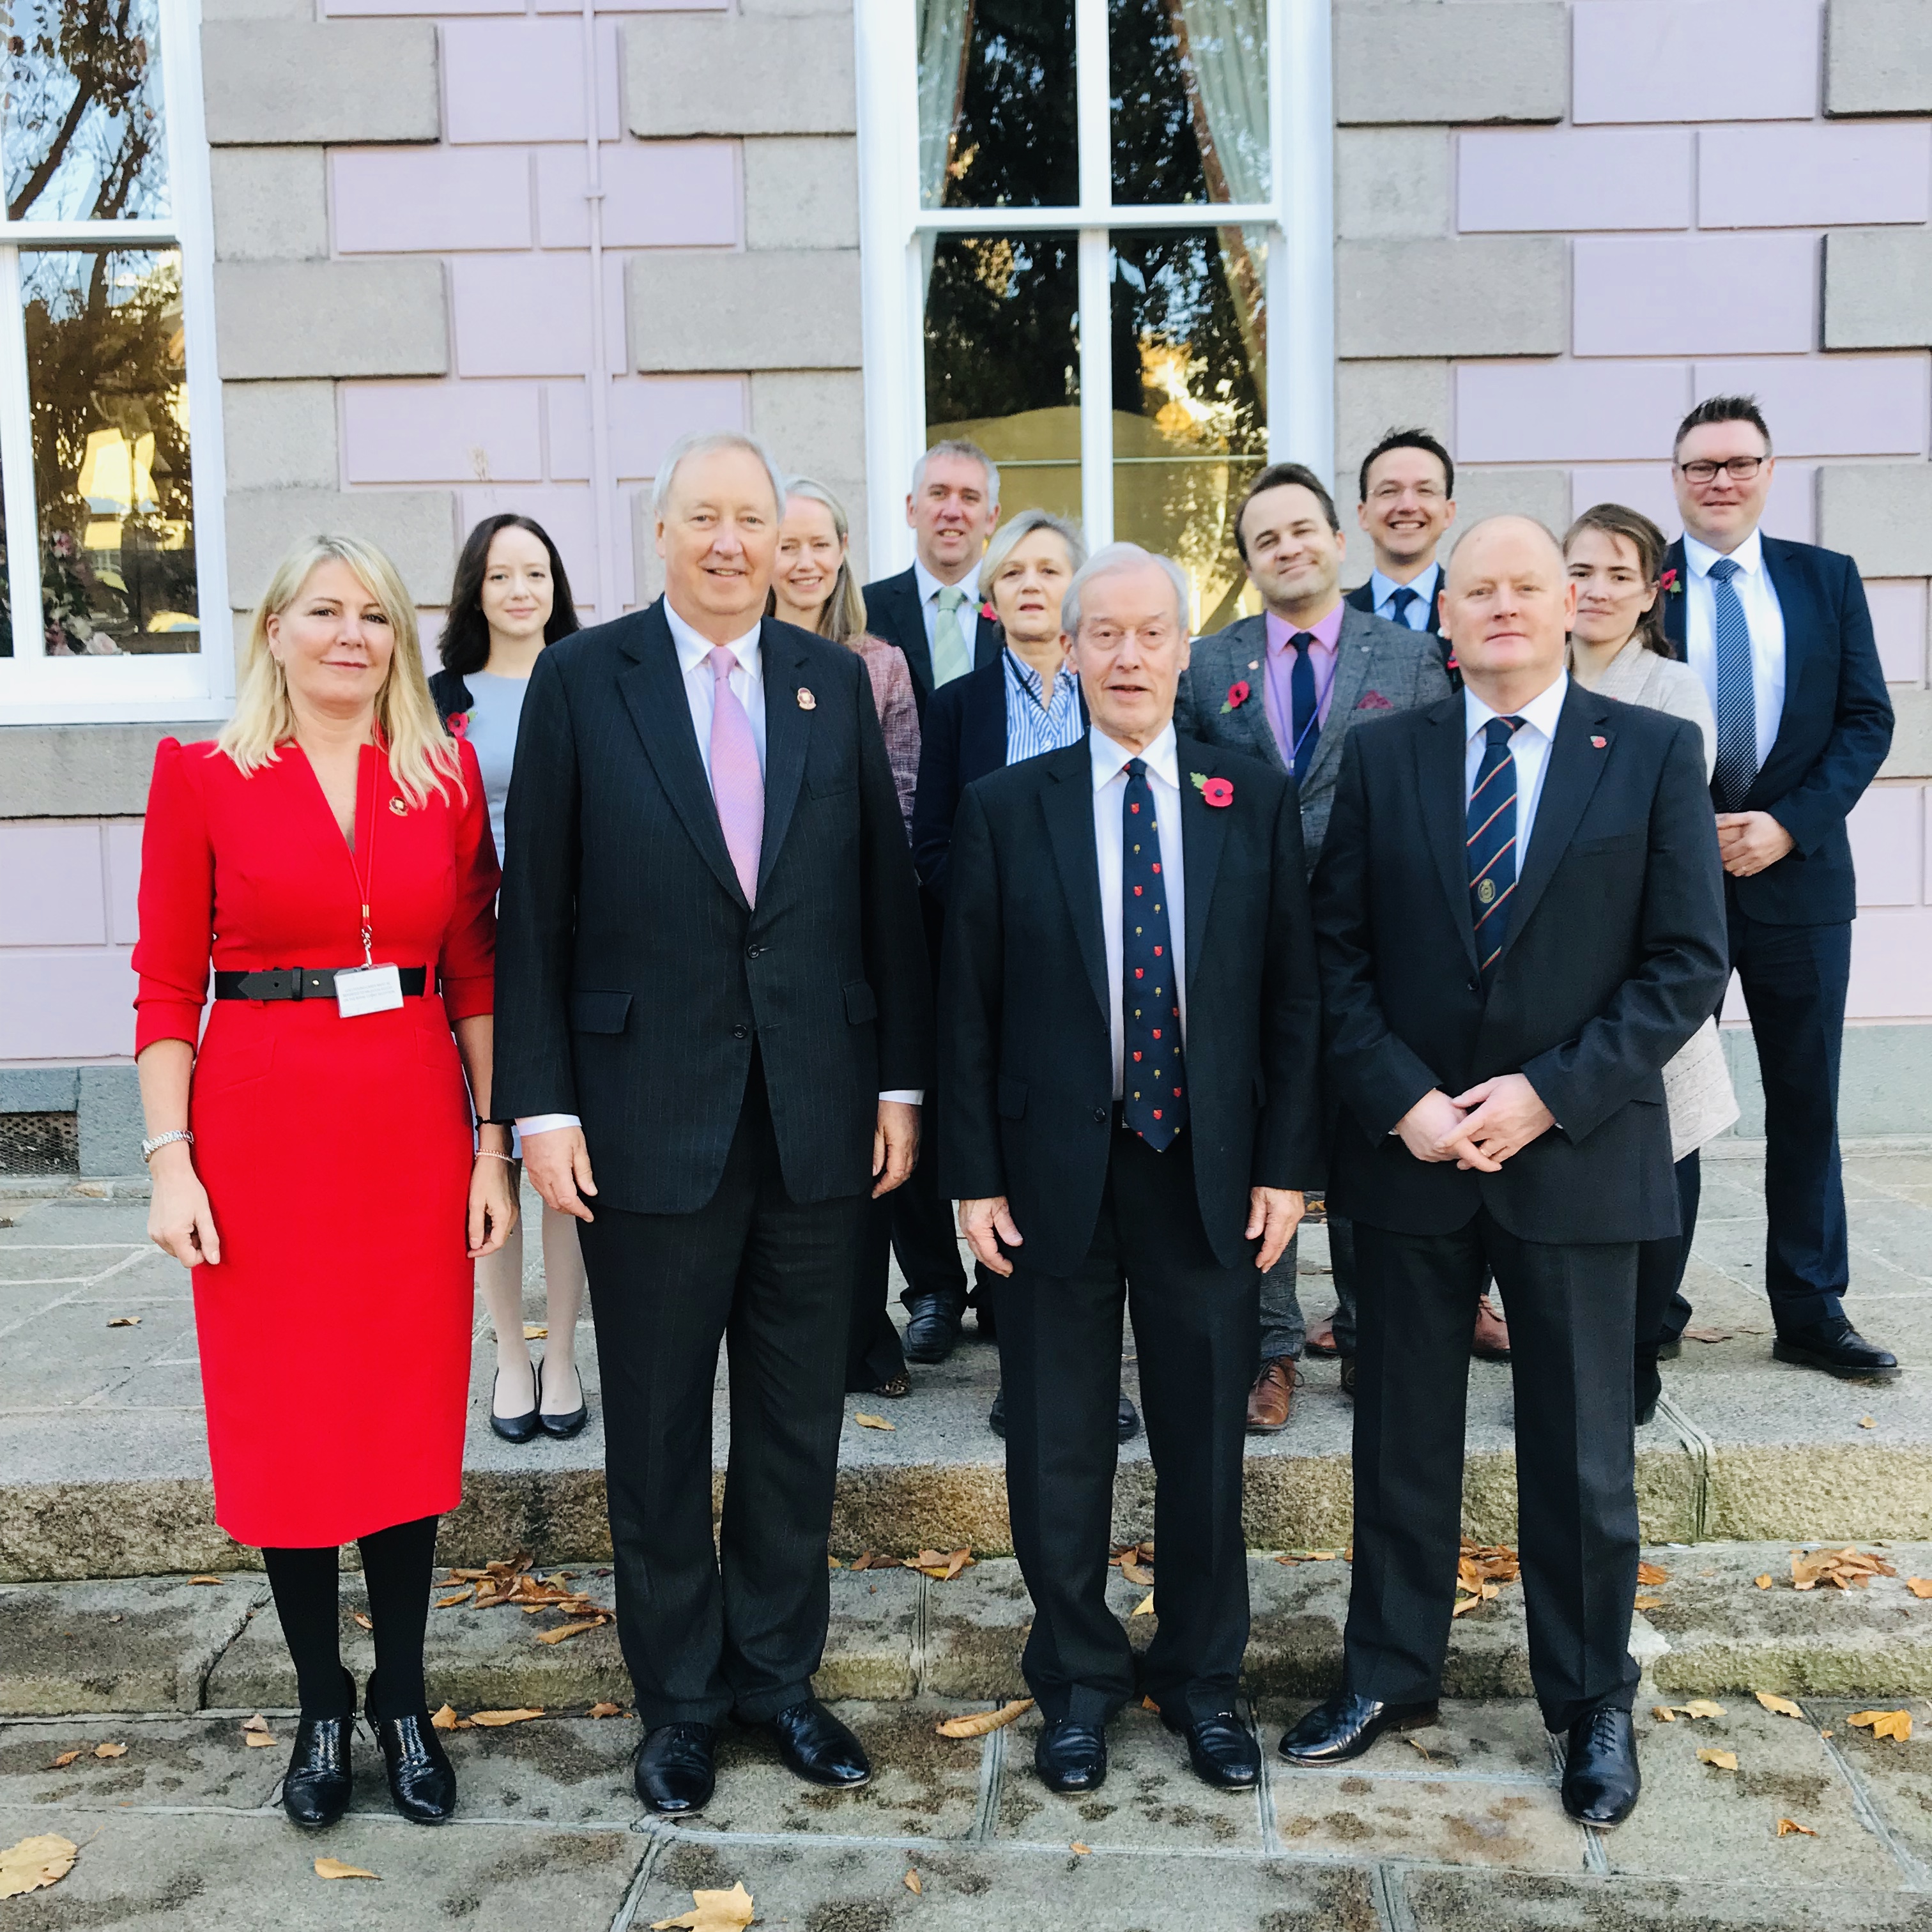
pixel 693 650
pixel 1110 759
pixel 1748 556
pixel 1542 711
pixel 930 587
pixel 1381 588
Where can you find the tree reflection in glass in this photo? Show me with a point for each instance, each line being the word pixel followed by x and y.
pixel 1188 80
pixel 108 391
pixel 996 106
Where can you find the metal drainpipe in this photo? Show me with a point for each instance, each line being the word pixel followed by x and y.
pixel 603 480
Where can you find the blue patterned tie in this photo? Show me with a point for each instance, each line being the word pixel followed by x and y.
pixel 1492 842
pixel 1400 598
pixel 1154 1090
pixel 1737 697
pixel 1304 722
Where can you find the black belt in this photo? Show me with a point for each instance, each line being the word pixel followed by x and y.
pixel 302 983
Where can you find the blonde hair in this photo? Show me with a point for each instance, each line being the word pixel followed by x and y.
pixel 843 617
pixel 422 755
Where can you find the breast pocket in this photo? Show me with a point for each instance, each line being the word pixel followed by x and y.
pixel 592 1011
pixel 1603 848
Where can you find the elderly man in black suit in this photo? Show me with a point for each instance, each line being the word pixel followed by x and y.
pixel 1129 1118
pixel 1519 916
pixel 712 984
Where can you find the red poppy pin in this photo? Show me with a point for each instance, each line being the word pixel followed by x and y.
pixel 1238 695
pixel 1599 743
pixel 987 611
pixel 1672 586
pixel 1217 792
pixel 458 722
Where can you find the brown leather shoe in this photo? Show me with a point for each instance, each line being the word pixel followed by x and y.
pixel 1491 1341
pixel 1269 1399
pixel 1321 1338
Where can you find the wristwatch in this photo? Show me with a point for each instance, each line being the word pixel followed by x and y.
pixel 149 1147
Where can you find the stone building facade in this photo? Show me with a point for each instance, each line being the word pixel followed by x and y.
pixel 438 260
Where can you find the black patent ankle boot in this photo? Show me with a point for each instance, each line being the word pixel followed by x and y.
pixel 422 1781
pixel 316 1787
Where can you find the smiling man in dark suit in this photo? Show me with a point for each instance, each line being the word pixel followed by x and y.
pixel 1781 636
pixel 1406 502
pixel 712 982
pixel 1129 1115
pixel 1519 918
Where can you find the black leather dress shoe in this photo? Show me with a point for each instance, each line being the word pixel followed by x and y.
pixel 1649 1388
pixel 1346 1726
pixel 1600 1782
pixel 317 1785
pixel 673 1772
pixel 514 1428
pixel 1071 1758
pixel 1347 1368
pixel 817 1747
pixel 932 1330
pixel 570 1421
pixel 1222 1751
pixel 422 1780
pixel 1127 1423
pixel 1835 1346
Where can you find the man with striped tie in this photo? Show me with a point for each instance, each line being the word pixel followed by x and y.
pixel 1501 1000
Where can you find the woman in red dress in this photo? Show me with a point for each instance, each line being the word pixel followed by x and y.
pixel 314 1162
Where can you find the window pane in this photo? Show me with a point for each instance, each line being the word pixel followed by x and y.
pixel 996 111
pixel 106 373
pixel 83 135
pixel 1190 389
pixel 1002 361
pixel 1188 80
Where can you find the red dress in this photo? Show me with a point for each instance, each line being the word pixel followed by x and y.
pixel 336 1152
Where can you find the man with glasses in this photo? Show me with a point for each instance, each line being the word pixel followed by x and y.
pixel 1407 503
pixel 1779 634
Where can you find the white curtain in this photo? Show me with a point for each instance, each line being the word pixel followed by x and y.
pixel 945 39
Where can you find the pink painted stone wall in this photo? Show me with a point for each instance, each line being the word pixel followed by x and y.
pixel 67 928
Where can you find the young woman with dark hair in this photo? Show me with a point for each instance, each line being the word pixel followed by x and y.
pixel 511 598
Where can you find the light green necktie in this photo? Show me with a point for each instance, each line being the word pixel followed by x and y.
pixel 950 659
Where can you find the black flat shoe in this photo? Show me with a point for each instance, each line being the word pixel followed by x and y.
pixel 996 1416
pixel 1127 1424
pixel 1649 1389
pixel 1600 1783
pixel 673 1772
pixel 1071 1758
pixel 1669 1351
pixel 1835 1346
pixel 317 1785
pixel 1222 1751
pixel 817 1747
pixel 422 1780
pixel 1348 1373
pixel 564 1425
pixel 514 1428
pixel 932 1330
pixel 1346 1726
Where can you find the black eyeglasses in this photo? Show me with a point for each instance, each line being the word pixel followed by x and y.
pixel 1739 469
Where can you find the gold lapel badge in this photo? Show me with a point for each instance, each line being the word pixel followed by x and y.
pixel 396 805
pixel 806 702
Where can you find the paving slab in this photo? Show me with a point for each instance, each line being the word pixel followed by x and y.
pixel 1893 1775
pixel 1445 1901
pixel 169 1761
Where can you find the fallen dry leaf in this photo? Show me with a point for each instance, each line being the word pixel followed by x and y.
pixel 979 1723
pixel 1664 1714
pixel 941 1565
pixel 1708 1334
pixel 872 1560
pixel 256 1732
pixel 1647 1603
pixel 1139 1574
pixel 1866 1422
pixel 1148 1704
pixel 604 1710
pixel 496 1719
pixel 1885 1723
pixel 1079 1850
pixel 110 1750
pixel 1848 1569
pixel 65 1759
pixel 1920 1586
pixel 1416 1745
pixel 1701 1707
pixel 832 1563
pixel 35 1862
pixel 712 1912
pixel 363 1622
pixel 462 1596
pixel 1465 1604
pixel 1790 1827
pixel 215 1580
pixel 1724 1760
pixel 1764 1581
pixel 1649 1574
pixel 536 1331
pixel 1783 1707
pixel 912 1884
pixel 1487 1563
pixel 1144 1608
pixel 445 1720
pixel 256 1723
pixel 335 1868
pixel 569 1630
pixel 865 1421
pixel 125 1322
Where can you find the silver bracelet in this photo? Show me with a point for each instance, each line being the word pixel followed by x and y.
pixel 149 1148
pixel 490 1154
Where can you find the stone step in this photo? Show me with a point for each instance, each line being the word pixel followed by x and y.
pixel 165 1643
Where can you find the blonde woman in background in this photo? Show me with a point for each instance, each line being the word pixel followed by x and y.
pixel 314 1157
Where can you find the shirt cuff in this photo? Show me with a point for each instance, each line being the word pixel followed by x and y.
pixel 912 1096
pixel 545 1124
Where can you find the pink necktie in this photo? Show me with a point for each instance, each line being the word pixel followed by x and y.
pixel 737 785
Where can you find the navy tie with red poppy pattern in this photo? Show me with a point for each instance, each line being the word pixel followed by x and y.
pixel 1153 1092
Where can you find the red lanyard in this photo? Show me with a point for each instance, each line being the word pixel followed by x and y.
pixel 364 874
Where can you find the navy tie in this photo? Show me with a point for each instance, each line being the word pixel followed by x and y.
pixel 1154 1087
pixel 1304 722
pixel 1737 697
pixel 1492 842
pixel 1400 598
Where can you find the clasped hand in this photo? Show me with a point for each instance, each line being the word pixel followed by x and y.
pixel 1480 1128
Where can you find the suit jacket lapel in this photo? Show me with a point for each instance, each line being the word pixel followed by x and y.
pixel 1241 652
pixel 988 640
pixel 912 628
pixel 653 693
pixel 1441 791
pixel 1067 801
pixel 1352 652
pixel 1576 763
pixel 1204 831
pixel 787 732
pixel 1793 586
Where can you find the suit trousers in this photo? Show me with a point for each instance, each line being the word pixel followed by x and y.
pixel 742 1627
pixel 1572 1324
pixel 923 1234
pixel 1794 978
pixel 1196 1330
pixel 1284 1323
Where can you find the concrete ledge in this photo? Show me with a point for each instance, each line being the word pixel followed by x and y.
pixel 40 1090
pixel 1878 57
pixel 284 82
pixel 82 771
pixel 1884 1078
pixel 1878 288
pixel 1476 295
pixel 712 309
pixel 1880 513
pixel 693 73
pixel 1478 61
pixel 293 319
pixel 416 527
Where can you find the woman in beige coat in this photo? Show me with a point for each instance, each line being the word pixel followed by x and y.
pixel 1618 649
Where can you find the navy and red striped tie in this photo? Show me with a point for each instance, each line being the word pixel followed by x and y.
pixel 1491 843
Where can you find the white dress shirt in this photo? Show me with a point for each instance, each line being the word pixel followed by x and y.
pixel 1416 617
pixel 1764 617
pixel 1529 747
pixel 929 588
pixel 701 692
pixel 1110 790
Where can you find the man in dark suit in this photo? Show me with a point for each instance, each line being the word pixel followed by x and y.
pixel 1520 917
pixel 712 982
pixel 1129 1114
pixel 1287 687
pixel 1780 634
pixel 1407 502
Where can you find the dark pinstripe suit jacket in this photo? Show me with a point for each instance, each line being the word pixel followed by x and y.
pixel 633 981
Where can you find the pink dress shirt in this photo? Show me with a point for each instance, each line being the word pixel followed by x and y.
pixel 1326 634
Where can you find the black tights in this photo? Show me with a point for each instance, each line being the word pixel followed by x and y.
pixel 397 1563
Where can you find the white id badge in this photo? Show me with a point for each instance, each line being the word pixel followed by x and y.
pixel 368 989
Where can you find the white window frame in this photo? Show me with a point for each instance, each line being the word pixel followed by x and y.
pixel 1301 280
pixel 35 688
